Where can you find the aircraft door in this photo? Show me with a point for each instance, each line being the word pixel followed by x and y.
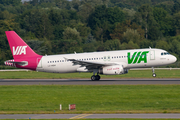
pixel 152 55
pixel 39 62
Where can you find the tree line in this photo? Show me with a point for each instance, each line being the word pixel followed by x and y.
pixel 62 26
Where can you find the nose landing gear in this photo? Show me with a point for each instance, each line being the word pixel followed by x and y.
pixel 154 74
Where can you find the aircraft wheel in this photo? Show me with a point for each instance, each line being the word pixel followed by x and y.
pixel 154 74
pixel 93 78
pixel 98 77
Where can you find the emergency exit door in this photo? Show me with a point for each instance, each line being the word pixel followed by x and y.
pixel 152 55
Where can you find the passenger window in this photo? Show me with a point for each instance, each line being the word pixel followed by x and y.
pixel 62 60
pixel 164 53
pixel 89 58
pixel 122 56
pixel 114 57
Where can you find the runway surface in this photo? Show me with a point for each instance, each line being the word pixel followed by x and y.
pixel 130 81
pixel 78 116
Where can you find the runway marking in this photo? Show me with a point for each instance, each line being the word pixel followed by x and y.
pixel 80 116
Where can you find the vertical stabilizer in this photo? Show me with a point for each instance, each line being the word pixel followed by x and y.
pixel 18 47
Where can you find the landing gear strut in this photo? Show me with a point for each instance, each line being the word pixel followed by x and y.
pixel 154 74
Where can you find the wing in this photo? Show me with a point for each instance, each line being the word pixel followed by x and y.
pixel 89 65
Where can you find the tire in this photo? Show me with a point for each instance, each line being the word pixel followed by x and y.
pixel 154 74
pixel 93 78
pixel 98 77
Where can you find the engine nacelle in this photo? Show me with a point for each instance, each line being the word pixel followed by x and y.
pixel 113 70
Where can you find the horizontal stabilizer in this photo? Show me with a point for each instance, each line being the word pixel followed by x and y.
pixel 13 63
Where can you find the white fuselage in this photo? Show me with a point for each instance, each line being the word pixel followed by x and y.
pixel 137 58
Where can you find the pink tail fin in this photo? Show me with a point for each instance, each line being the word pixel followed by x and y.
pixel 18 47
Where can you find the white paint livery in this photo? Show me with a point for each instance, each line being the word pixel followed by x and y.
pixel 109 63
pixel 19 50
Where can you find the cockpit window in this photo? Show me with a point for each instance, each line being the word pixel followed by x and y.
pixel 165 53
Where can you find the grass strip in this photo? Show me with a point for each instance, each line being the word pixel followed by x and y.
pixel 90 99
pixel 131 74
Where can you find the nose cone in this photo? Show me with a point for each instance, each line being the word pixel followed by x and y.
pixel 173 59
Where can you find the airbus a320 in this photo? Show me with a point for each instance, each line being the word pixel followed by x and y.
pixel 107 63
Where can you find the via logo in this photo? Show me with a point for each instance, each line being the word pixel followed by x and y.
pixel 19 50
pixel 137 57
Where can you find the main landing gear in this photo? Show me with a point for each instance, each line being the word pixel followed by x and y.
pixel 154 74
pixel 95 77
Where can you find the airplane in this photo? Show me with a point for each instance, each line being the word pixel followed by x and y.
pixel 107 62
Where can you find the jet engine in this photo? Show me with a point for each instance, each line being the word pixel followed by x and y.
pixel 113 70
